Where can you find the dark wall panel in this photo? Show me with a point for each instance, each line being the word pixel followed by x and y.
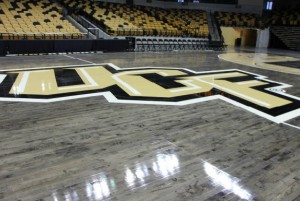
pixel 112 45
pixel 2 48
pixel 56 46
pixel 73 45
pixel 30 46
pixel 275 42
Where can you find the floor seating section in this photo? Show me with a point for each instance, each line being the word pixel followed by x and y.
pixel 238 19
pixel 122 19
pixel 34 19
pixel 145 44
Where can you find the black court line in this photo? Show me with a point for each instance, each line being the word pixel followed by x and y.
pixel 290 64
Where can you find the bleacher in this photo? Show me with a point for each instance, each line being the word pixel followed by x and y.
pixel 191 23
pixel 176 29
pixel 290 36
pixel 285 27
pixel 124 20
pixel 232 19
pixel 285 18
pixel 34 19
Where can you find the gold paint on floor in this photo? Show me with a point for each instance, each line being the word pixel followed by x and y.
pixel 259 60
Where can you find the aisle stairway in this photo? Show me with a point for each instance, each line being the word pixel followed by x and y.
pixel 213 27
pixel 290 36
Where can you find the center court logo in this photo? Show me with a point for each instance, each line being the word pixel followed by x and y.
pixel 149 85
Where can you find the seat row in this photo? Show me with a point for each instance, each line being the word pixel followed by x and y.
pixel 285 18
pixel 273 18
pixel 46 36
pixel 172 44
pixel 238 19
pixel 188 22
pixel 34 17
pixel 124 20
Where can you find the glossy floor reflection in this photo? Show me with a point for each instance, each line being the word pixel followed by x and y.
pixel 89 149
pixel 226 181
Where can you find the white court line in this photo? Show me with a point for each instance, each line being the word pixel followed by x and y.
pixel 50 67
pixel 88 77
pixel 188 83
pixel 79 59
pixel 293 126
pixel 23 82
pixel 126 85
pixel 220 75
pixel 2 77
pixel 133 90
pixel 248 82
pixel 92 82
pixel 111 98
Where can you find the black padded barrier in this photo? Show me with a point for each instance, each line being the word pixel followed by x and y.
pixel 3 48
pixel 62 46
pixel 114 45
pixel 73 45
pixel 30 46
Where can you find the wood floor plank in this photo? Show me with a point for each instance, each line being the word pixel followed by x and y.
pixel 90 149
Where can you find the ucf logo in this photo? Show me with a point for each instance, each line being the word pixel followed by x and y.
pixel 161 86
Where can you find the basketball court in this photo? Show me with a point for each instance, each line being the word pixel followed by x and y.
pixel 188 125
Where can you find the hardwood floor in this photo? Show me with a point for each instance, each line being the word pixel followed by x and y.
pixel 90 149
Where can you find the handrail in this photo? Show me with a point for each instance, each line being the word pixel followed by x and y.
pixel 92 28
pixel 87 22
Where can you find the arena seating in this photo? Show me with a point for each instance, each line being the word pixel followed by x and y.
pixel 143 24
pixel 274 18
pixel 34 19
pixel 105 15
pixel 285 18
pixel 238 19
pixel 124 20
pixel 285 28
pixel 288 35
pixel 173 43
pixel 192 23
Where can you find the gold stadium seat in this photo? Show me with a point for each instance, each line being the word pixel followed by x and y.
pixel 122 19
pixel 237 19
pixel 32 20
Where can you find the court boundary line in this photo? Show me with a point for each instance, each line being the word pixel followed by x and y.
pixel 79 59
pixel 255 66
pixel 50 67
pixel 291 125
